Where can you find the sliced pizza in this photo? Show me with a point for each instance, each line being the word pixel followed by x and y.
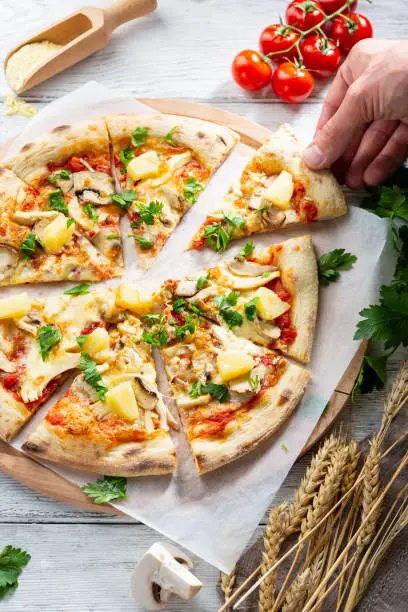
pixel 112 419
pixel 163 163
pixel 276 190
pixel 231 394
pixel 63 206
pixel 268 296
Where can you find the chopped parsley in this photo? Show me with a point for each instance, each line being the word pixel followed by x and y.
pixel 12 560
pixel 260 210
pixel 113 236
pixel 218 235
pixel 106 489
pixel 81 339
pixel 70 222
pixel 92 376
pixel 169 137
pixel 246 250
pixel 195 390
pixel 330 265
pixel 148 212
pixel 220 392
pixel 188 327
pixel 143 242
pixel 255 383
pixel 191 190
pixel 27 247
pixel 139 136
pixel 126 155
pixel 285 448
pixel 125 198
pixel 179 305
pixel 232 317
pixel 235 221
pixel 80 289
pixel 65 175
pixel 153 318
pixel 48 336
pixel 91 211
pixel 156 337
pixel 203 280
pixel 250 309
pixel 229 299
pixel 57 202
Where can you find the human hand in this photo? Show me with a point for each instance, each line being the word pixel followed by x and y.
pixel 363 127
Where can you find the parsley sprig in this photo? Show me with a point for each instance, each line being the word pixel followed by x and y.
pixel 219 391
pixel 12 560
pixel 232 317
pixel 56 202
pixel 139 136
pixel 106 489
pixel 48 336
pixel 331 264
pixel 125 198
pixel 92 376
pixel 27 247
pixel 218 235
pixel 191 190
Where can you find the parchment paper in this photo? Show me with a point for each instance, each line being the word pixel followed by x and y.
pixel 214 515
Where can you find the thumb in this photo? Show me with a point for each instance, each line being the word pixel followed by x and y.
pixel 332 140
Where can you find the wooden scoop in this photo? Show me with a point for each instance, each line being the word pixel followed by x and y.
pixel 82 34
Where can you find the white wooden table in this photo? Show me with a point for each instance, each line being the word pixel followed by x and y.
pixel 81 561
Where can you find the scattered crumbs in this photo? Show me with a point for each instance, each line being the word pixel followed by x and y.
pixel 285 448
pixel 17 106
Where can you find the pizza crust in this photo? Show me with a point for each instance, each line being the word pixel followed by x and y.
pixel 13 415
pixel 211 142
pixel 149 458
pixel 57 146
pixel 264 420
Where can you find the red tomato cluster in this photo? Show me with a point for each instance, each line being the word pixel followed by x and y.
pixel 311 43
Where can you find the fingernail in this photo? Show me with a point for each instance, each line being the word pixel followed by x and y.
pixel 313 157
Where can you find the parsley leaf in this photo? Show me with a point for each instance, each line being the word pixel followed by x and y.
pixel 27 247
pixel 330 265
pixel 401 271
pixel 388 202
pixel 187 328
pixel 157 337
pixel 12 560
pixel 179 305
pixel 143 242
pixel 235 221
pixel 372 375
pixel 70 222
pixel 126 155
pixel 106 489
pixel 56 202
pixel 65 175
pixel 230 299
pixel 139 136
pixel 217 236
pixel 203 280
pixel 113 237
pixel 250 309
pixel 149 211
pixel 232 317
pixel 191 190
pixel 125 198
pixel 195 390
pixel 153 318
pixel 81 339
pixel 48 336
pixel 81 289
pixel 169 136
pixel 247 250
pixel 255 383
pixel 91 211
pixel 92 376
pixel 220 392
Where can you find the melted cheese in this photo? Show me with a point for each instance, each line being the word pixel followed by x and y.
pixel 26 60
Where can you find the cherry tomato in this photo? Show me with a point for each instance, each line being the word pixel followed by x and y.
pixel 292 83
pixel 330 6
pixel 304 15
pixel 277 39
pixel 348 32
pixel 320 55
pixel 250 71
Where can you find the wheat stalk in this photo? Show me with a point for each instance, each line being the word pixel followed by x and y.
pixel 297 592
pixel 227 582
pixel 370 494
pixel 275 534
pixel 395 401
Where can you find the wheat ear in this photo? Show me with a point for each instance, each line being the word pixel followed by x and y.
pixel 395 400
pixel 275 534
pixel 297 592
pixel 227 582
pixel 370 494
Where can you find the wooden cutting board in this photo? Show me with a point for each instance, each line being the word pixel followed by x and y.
pixel 43 480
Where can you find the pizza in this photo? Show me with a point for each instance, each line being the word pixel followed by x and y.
pixel 268 296
pixel 163 163
pixel 276 190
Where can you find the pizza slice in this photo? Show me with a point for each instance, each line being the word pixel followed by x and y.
pixel 268 296
pixel 163 163
pixel 67 219
pixel 276 190
pixel 112 419
pixel 231 394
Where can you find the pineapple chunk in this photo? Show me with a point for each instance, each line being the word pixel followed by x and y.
pixel 139 302
pixel 122 400
pixel 234 363
pixel 177 161
pixel 56 234
pixel 15 306
pixel 97 341
pixel 281 190
pixel 270 305
pixel 143 166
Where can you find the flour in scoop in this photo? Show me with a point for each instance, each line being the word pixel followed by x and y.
pixel 26 60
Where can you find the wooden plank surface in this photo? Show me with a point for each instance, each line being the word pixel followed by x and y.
pixel 82 560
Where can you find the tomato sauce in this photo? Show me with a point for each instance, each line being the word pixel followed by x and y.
pixel 306 210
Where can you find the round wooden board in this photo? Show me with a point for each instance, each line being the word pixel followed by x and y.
pixel 43 480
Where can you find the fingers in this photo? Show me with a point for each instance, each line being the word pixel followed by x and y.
pixel 372 143
pixel 332 140
pixel 341 166
pixel 390 158
pixel 334 98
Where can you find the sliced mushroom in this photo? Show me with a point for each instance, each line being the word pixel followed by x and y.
pixel 146 393
pixel 8 261
pixel 266 329
pixel 30 217
pixel 104 244
pixel 30 324
pixel 246 283
pixel 93 187
pixel 241 396
pixel 65 184
pixel 77 213
pixel 187 287
pixel 241 385
pixel 241 267
pixel 185 401
pixel 274 217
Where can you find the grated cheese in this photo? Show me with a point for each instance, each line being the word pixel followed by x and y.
pixel 26 60
pixel 16 106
